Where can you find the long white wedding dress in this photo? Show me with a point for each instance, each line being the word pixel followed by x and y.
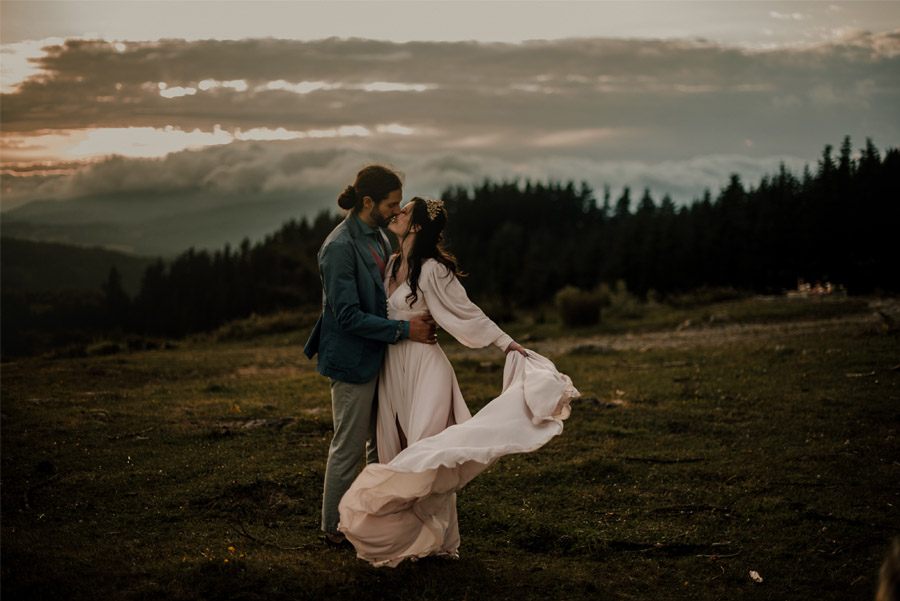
pixel 405 505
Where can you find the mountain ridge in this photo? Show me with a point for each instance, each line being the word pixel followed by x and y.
pixel 30 266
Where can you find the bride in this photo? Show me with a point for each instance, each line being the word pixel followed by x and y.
pixel 429 446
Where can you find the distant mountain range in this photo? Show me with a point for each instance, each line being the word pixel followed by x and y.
pixel 153 224
pixel 30 266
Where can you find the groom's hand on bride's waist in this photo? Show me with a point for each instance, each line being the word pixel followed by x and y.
pixel 423 329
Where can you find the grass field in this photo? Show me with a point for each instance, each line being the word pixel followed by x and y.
pixel 758 434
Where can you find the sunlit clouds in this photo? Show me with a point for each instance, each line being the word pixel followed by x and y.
pixel 18 61
pixel 302 87
pixel 156 142
pixel 239 85
pixel 572 138
pixel 675 115
pixel 261 169
pixel 565 85
pixel 175 91
pixel 786 16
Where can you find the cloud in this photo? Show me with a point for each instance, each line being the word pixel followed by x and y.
pixel 278 115
pixel 19 60
pixel 256 171
pixel 563 84
pixel 786 16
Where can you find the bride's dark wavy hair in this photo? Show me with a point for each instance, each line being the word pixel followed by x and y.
pixel 429 244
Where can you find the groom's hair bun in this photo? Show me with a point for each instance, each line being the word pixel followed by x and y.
pixel 374 181
pixel 347 199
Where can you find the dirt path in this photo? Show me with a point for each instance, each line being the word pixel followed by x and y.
pixel 702 335
pixel 705 336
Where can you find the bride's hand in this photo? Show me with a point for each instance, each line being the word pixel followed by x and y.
pixel 515 346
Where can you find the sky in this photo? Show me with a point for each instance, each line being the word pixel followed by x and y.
pixel 106 98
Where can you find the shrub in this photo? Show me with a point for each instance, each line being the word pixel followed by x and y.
pixel 498 310
pixel 579 307
pixel 104 347
pixel 621 302
pixel 705 295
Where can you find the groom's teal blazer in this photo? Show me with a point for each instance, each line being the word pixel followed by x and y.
pixel 351 333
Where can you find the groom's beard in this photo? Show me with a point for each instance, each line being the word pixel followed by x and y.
pixel 380 220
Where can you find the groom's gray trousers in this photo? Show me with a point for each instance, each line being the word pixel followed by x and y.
pixel 354 408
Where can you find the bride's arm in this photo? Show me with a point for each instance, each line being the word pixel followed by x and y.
pixel 451 308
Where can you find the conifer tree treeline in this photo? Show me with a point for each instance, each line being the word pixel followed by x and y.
pixel 521 243
pixel 200 290
pixel 839 223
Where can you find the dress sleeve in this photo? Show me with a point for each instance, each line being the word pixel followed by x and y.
pixel 451 308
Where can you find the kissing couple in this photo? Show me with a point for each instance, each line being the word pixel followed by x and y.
pixel 395 398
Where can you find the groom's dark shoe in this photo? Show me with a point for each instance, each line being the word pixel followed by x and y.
pixel 336 539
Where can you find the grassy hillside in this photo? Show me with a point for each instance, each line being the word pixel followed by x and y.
pixel 695 456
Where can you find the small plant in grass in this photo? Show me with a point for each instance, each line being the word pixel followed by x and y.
pixel 580 307
pixel 622 303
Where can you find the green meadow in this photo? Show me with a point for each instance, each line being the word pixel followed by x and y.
pixel 710 441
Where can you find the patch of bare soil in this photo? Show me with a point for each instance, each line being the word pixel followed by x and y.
pixel 701 336
pixel 884 317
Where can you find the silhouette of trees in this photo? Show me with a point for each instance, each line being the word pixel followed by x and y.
pixel 522 242
pixel 200 290
pixel 833 224
pixel 116 302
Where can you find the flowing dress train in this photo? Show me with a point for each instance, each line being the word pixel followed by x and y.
pixel 405 506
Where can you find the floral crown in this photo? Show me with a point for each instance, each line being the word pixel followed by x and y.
pixel 435 207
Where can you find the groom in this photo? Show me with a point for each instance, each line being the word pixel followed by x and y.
pixel 351 334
